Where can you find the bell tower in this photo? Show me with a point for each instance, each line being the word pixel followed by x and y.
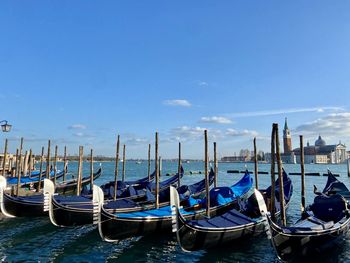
pixel 287 139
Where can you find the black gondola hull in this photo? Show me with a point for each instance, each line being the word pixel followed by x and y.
pixel 317 243
pixel 20 208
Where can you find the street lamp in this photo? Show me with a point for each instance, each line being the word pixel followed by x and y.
pixel 5 127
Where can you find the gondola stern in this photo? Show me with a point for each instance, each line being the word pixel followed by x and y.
pixel 3 185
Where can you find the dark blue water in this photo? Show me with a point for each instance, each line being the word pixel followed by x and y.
pixel 36 240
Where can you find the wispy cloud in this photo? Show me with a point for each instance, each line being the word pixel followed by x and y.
pixel 216 119
pixel 203 83
pixel 237 133
pixel 332 125
pixel 284 111
pixel 177 102
pixel 77 127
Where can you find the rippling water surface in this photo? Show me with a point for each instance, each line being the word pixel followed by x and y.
pixel 35 239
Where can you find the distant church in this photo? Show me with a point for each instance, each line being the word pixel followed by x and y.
pixel 318 153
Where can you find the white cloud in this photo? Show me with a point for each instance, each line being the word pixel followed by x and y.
pixel 77 126
pixel 332 125
pixel 216 119
pixel 236 133
pixel 182 103
pixel 202 83
pixel 284 111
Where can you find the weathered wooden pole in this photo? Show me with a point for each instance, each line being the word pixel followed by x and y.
pixel 179 166
pixel 5 157
pixel 16 163
pixel 65 163
pixel 149 162
pixel 48 172
pixel 80 170
pixel 206 157
pixel 25 163
pixel 91 170
pixel 215 167
pixel 280 178
pixel 19 167
pixel 157 170
pixel 256 165
pixel 302 168
pixel 30 163
pixel 55 165
pixel 124 161
pixel 41 168
pixel 116 168
pixel 348 162
pixel 273 186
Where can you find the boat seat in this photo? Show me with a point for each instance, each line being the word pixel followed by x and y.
pixel 310 223
pixel 231 218
pixel 329 208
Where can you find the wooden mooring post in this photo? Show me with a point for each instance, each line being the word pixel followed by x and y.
pixel 80 170
pixel 65 164
pixel 256 165
pixel 157 170
pixel 179 166
pixel 55 165
pixel 280 178
pixel 215 167
pixel 19 167
pixel 41 168
pixel 302 174
pixel 116 168
pixel 273 186
pixel 91 170
pixel 48 172
pixel 124 163
pixel 5 157
pixel 149 163
pixel 206 158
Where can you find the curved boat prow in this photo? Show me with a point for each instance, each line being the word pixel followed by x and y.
pixel 48 191
pixel 97 203
pixel 3 185
pixel 261 202
pixel 175 205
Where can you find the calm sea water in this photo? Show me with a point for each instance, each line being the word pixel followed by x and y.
pixel 36 240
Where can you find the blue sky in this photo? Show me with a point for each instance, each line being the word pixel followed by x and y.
pixel 80 72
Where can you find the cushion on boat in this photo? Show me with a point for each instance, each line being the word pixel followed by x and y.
pixel 329 208
pixel 220 195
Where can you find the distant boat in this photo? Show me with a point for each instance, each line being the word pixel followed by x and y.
pixel 187 161
pixel 138 162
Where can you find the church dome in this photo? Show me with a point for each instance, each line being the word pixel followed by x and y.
pixel 320 141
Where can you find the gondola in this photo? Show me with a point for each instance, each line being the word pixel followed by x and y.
pixel 334 186
pixel 32 204
pixel 67 211
pixel 27 180
pixel 244 220
pixel 322 227
pixel 117 226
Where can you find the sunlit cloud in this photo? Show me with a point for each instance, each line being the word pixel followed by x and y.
pixel 216 119
pixel 284 111
pixel 77 127
pixel 177 102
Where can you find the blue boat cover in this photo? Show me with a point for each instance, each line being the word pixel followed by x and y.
pixel 229 219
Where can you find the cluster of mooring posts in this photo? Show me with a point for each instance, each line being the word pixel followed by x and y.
pixel 203 215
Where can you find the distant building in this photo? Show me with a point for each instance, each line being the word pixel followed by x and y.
pixel 318 153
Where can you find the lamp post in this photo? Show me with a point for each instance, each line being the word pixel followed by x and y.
pixel 5 127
